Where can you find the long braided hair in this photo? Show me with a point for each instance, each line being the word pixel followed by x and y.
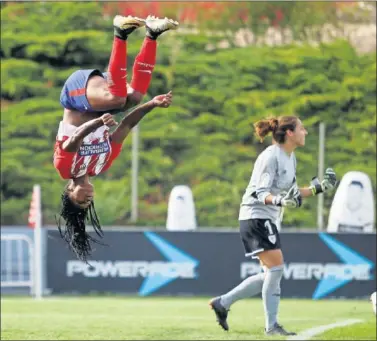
pixel 73 230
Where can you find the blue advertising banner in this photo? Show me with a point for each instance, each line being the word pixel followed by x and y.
pixel 317 265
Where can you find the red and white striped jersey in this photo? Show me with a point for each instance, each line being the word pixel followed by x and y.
pixel 96 153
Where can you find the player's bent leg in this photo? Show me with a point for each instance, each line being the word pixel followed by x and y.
pixel 117 71
pixel 249 287
pixel 146 59
pixel 110 91
pixel 91 90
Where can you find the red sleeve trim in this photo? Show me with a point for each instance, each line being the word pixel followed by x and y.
pixel 63 160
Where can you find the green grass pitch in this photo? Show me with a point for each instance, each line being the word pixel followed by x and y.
pixel 173 318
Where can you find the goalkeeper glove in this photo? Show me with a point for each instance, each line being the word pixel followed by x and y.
pixel 290 199
pixel 328 182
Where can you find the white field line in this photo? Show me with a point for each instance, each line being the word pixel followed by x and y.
pixel 309 333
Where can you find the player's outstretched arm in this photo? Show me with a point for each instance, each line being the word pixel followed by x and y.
pixel 73 143
pixel 136 115
pixel 316 187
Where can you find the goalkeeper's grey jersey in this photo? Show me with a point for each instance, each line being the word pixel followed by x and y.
pixel 274 171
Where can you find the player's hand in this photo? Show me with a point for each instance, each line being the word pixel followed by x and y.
pixel 163 101
pixel 291 199
pixel 108 120
pixel 328 182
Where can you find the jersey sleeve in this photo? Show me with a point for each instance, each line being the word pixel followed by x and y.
pixel 264 174
pixel 63 160
pixel 294 182
pixel 116 148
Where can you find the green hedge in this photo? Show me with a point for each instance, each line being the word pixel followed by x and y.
pixel 205 139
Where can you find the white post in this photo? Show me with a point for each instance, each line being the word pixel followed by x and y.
pixel 38 243
pixel 135 171
pixel 321 171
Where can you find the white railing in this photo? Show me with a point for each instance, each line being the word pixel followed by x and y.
pixel 13 267
pixel 17 269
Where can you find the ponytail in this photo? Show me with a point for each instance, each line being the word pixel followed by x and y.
pixel 265 126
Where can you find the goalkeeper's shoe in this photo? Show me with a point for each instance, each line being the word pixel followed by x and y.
pixel 220 311
pixel 277 329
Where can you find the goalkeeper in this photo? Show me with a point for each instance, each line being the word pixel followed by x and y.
pixel 272 186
